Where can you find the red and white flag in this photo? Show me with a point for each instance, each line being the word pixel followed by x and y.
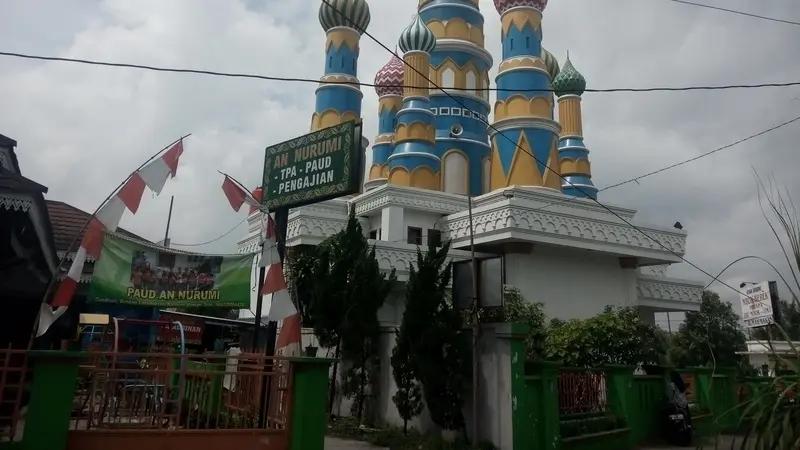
pixel 153 175
pixel 281 305
pixel 289 337
pixel 238 194
pixel 269 249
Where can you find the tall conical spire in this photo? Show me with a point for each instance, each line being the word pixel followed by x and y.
pixel 576 169
pixel 414 161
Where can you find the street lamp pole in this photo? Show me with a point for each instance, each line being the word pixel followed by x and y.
pixel 475 326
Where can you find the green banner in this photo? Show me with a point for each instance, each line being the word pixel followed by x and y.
pixel 318 166
pixel 136 273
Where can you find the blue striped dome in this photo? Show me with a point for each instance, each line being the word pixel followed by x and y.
pixel 417 37
pixel 344 13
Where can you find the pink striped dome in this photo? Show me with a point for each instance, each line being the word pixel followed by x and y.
pixel 504 5
pixel 389 79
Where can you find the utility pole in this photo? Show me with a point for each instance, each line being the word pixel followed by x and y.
pixel 281 225
pixel 475 327
pixel 169 220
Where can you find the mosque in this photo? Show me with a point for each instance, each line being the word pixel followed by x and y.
pixel 522 163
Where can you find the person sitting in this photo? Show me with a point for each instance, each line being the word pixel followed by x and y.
pixel 676 396
pixel 676 391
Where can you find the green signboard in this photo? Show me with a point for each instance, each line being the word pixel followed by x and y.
pixel 137 273
pixel 319 166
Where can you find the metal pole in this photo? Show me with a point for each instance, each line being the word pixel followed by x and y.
pixel 281 225
pixel 169 220
pixel 475 327
pixel 262 272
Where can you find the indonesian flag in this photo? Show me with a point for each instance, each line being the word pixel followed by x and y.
pixel 237 194
pixel 269 249
pixel 289 338
pixel 153 176
pixel 281 305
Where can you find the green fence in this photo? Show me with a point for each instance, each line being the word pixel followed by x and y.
pixel 611 408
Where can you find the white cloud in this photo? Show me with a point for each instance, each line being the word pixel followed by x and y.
pixel 81 129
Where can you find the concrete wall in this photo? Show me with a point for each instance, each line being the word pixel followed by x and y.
pixel 571 284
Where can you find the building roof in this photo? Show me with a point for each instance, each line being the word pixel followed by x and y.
pixel 16 182
pixel 67 222
pixel 9 143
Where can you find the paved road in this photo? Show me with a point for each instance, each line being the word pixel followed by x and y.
pixel 724 443
pixel 332 443
pixel 341 444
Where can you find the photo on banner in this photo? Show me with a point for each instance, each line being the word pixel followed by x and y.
pixel 134 272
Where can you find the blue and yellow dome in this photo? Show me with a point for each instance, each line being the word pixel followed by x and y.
pixel 417 37
pixel 504 5
pixel 389 79
pixel 569 81
pixel 344 13
pixel 551 62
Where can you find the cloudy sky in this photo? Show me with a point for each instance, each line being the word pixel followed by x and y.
pixel 81 129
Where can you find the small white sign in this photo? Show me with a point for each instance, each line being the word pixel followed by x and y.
pixel 756 305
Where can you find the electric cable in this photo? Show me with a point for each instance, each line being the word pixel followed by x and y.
pixel 359 83
pixel 672 166
pixel 733 11
pixel 543 163
pixel 212 240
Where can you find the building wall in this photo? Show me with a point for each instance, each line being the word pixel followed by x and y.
pixel 571 285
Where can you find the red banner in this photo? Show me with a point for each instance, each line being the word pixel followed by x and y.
pixel 192 329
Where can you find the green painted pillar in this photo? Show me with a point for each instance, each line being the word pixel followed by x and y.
pixel 622 399
pixel 55 374
pixel 309 401
pixel 549 423
pixel 703 386
pixel 523 389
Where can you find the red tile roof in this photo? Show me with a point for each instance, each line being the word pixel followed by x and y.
pixel 67 222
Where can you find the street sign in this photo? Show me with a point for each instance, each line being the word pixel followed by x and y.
pixel 319 166
pixel 757 305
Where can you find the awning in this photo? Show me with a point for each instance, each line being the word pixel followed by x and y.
pixel 220 322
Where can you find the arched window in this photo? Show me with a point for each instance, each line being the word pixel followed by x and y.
pixel 486 88
pixel 471 82
pixel 448 79
pixel 456 172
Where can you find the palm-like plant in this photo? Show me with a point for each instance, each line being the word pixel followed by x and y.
pixel 774 410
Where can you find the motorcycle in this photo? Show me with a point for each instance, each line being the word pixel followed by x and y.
pixel 678 425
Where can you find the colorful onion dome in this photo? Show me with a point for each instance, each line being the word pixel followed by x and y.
pixel 344 13
pixel 417 37
pixel 569 81
pixel 551 62
pixel 389 79
pixel 504 5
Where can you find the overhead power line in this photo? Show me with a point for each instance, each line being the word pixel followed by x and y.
pixel 212 240
pixel 734 11
pixel 353 83
pixel 678 164
pixel 514 142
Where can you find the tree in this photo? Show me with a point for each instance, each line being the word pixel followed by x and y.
pixel 408 398
pixel 340 288
pixel 517 309
pixel 431 328
pixel 615 336
pixel 709 337
pixel 789 320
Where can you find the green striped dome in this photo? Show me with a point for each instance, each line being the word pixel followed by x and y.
pixel 417 37
pixel 551 62
pixel 569 81
pixel 344 13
